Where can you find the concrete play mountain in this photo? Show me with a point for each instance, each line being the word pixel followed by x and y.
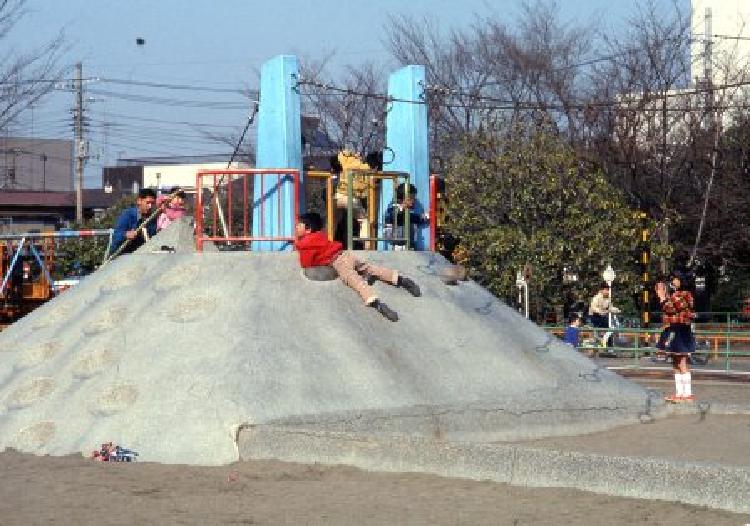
pixel 171 353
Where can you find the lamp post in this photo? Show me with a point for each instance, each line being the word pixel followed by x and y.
pixel 609 276
pixel 523 286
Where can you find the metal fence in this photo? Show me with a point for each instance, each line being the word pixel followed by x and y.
pixel 720 346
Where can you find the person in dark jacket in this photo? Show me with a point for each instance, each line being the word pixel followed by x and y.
pixel 133 224
pixel 395 217
pixel 315 249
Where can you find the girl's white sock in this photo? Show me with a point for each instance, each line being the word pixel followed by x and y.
pixel 687 389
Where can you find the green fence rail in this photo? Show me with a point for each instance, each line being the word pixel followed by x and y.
pixel 713 346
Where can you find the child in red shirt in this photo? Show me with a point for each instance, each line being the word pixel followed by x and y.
pixel 315 249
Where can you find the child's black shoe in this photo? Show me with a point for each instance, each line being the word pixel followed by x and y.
pixel 385 310
pixel 409 285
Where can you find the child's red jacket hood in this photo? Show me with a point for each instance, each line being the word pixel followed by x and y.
pixel 316 250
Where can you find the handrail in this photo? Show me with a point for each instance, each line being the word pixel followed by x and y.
pixel 641 348
pixel 283 175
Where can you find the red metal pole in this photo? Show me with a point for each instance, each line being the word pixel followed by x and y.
pixel 262 230
pixel 245 206
pixel 215 207
pixel 229 204
pixel 295 215
pixel 199 213
pixel 279 186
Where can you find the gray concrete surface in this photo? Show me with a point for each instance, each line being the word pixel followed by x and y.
pixel 169 354
pixel 705 484
pixel 207 358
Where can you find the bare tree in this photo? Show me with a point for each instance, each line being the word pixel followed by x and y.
pixel 25 77
pixel 496 72
pixel 350 108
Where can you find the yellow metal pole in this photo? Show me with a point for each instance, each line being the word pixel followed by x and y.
pixel 371 212
pixel 329 207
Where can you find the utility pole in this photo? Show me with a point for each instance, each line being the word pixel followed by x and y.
pixel 708 76
pixel 80 147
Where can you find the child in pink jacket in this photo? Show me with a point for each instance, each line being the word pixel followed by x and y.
pixel 171 208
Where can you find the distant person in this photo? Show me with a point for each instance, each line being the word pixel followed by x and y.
pixel 18 275
pixel 172 206
pixel 573 330
pixel 341 165
pixel 395 217
pixel 677 306
pixel 132 226
pixel 315 249
pixel 601 307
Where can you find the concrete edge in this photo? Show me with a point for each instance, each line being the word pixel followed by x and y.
pixel 703 408
pixel 715 486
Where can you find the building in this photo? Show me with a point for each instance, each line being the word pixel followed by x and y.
pixel 36 165
pixel 122 180
pixel 37 211
pixel 166 176
pixel 36 186
pixel 721 40
pixel 720 84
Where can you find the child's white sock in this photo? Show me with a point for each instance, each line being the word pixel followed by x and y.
pixel 679 388
pixel 687 388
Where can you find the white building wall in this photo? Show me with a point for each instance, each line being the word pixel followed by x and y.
pixel 729 18
pixel 166 176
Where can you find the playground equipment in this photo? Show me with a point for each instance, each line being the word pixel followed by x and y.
pixel 277 198
pixel 27 262
pixel 231 191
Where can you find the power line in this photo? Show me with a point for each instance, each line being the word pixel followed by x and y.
pixel 505 104
pixel 184 87
pixel 165 121
pixel 217 105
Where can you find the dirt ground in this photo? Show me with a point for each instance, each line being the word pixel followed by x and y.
pixel 74 490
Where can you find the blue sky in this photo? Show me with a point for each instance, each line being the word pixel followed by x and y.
pixel 218 44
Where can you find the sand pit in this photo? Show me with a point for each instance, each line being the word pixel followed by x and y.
pixel 73 490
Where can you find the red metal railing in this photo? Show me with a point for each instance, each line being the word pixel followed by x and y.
pixel 231 203
pixel 433 212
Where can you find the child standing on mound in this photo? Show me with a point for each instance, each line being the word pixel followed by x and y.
pixel 315 249
pixel 677 339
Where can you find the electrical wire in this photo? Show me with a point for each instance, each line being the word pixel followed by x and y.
pixel 165 121
pixel 170 102
pixel 184 87
pixel 504 104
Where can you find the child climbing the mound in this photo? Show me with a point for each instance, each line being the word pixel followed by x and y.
pixel 316 250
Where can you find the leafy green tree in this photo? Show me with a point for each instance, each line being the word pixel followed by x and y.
pixel 523 197
pixel 80 256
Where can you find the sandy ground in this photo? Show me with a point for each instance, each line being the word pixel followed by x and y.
pixel 73 490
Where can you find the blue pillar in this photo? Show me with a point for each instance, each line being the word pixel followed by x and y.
pixel 407 138
pixel 279 145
